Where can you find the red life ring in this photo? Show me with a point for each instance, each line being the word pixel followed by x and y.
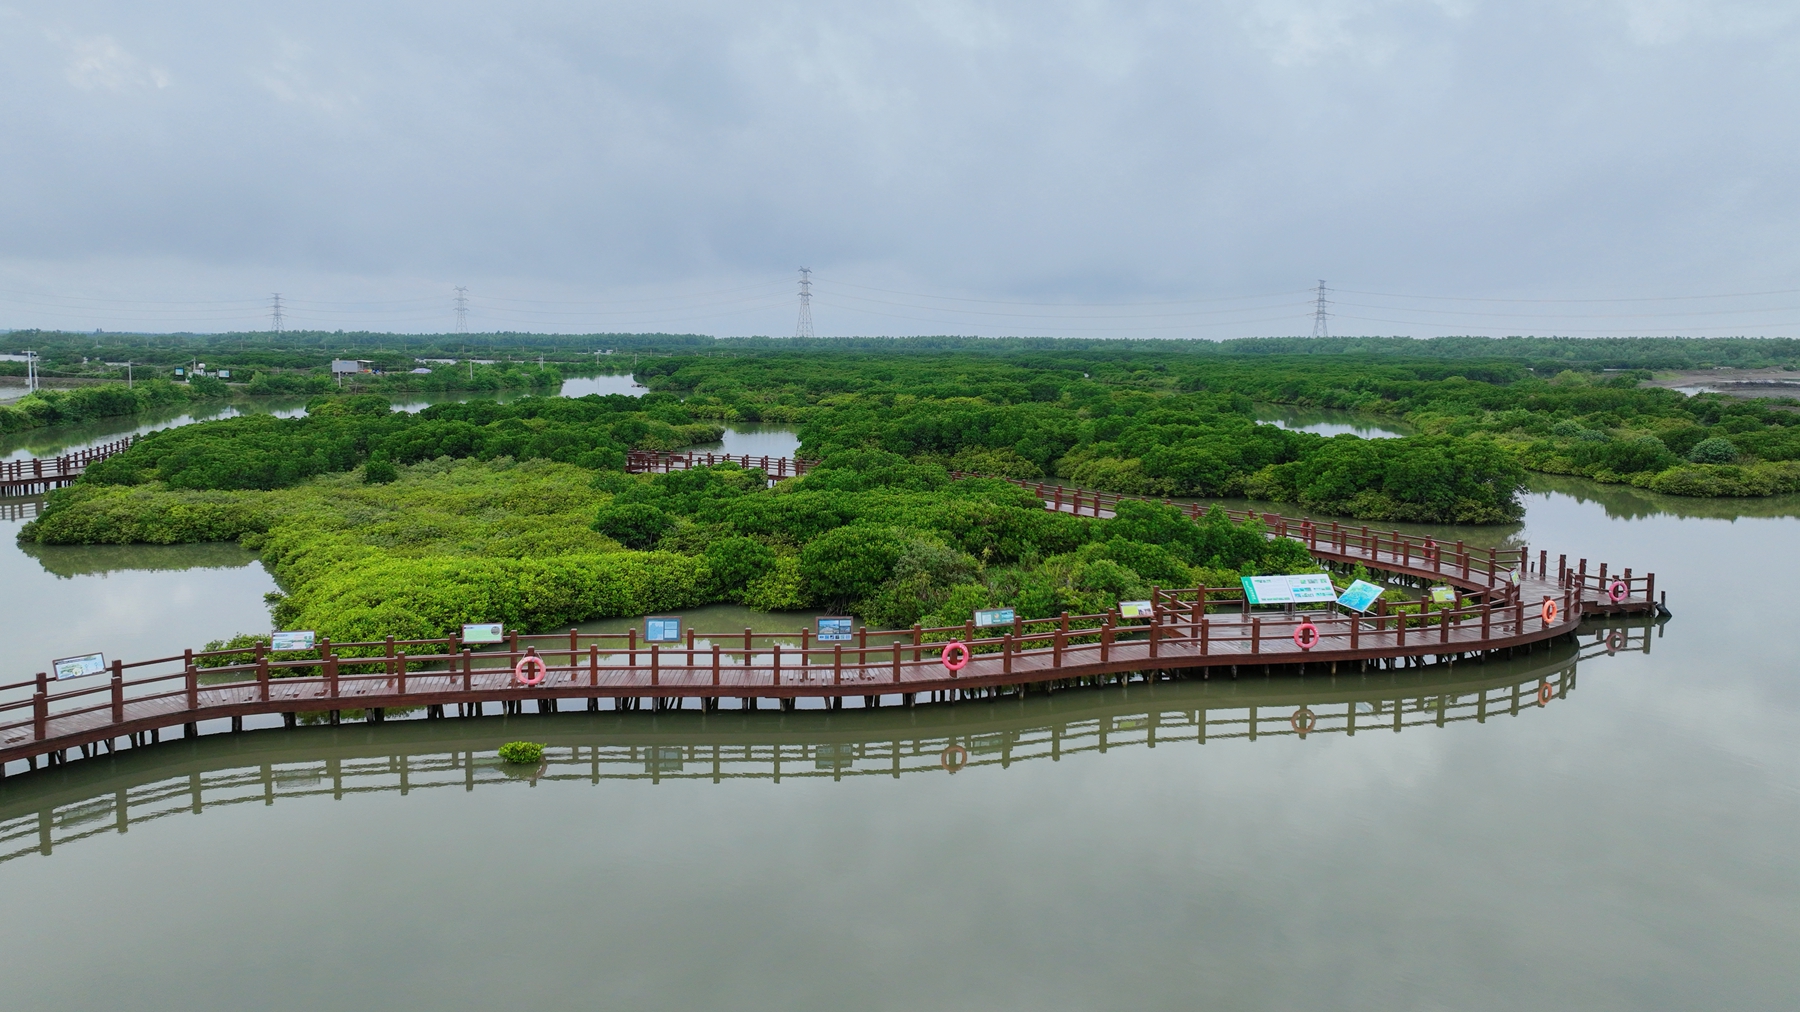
pixel 1307 636
pixel 954 758
pixel 1303 720
pixel 1549 611
pixel 1431 552
pixel 1545 693
pixel 535 664
pixel 1619 591
pixel 952 648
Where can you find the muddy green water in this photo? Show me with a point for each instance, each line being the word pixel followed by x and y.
pixel 1630 845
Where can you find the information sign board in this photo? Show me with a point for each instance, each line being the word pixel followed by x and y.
pixel 1443 595
pixel 1302 588
pixel 79 667
pixel 484 632
pixel 835 629
pixel 662 630
pixel 987 617
pixel 1360 596
pixel 291 640
pixel 1135 609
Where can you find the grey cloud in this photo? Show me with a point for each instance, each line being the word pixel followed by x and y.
pixel 1043 151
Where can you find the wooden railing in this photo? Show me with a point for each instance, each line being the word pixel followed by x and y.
pixel 662 462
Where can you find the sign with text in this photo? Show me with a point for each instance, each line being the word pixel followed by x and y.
pixel 1360 596
pixel 484 632
pixel 79 667
pixel 662 630
pixel 836 629
pixel 1302 588
pixel 1443 595
pixel 988 617
pixel 291 640
pixel 1135 609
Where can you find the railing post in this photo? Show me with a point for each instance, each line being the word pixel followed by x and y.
pixel 262 673
pixel 118 691
pixel 775 666
pixel 715 660
pixel 1205 634
pixel 631 648
pixel 1487 614
pixel 331 666
pixel 400 673
pixel 1056 649
pixel 655 662
pixel 594 662
pixel 1355 626
pixel 193 681
pixel 1256 635
pixel 896 662
pixel 837 664
pixel 468 672
pixel 1650 588
pixel 40 707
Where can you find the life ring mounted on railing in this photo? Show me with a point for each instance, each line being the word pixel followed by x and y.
pixel 531 671
pixel 1549 611
pixel 1430 548
pixel 1307 636
pixel 958 650
pixel 1618 591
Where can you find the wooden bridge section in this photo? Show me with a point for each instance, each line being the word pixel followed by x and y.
pixel 1504 600
pixel 37 475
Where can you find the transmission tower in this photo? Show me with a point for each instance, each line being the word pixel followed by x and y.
pixel 462 310
pixel 1320 314
pixel 275 317
pixel 804 328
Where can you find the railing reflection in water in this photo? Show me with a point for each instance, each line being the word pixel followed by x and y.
pixel 56 807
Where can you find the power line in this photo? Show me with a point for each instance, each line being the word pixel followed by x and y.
pixel 805 328
pixel 1321 316
pixel 275 316
pixel 462 310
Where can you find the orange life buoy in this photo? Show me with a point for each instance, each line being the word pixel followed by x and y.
pixel 1307 636
pixel 1619 591
pixel 1549 611
pixel 956 647
pixel 1545 693
pixel 1431 552
pixel 1303 720
pixel 533 664
pixel 954 758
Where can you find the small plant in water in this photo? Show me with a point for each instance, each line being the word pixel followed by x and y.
pixel 522 751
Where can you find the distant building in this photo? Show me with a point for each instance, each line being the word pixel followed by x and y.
pixel 351 367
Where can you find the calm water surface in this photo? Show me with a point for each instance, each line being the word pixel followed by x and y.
pixel 1631 845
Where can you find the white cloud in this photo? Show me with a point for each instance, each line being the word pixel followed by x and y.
pixel 100 63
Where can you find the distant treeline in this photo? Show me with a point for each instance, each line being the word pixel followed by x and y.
pixel 86 354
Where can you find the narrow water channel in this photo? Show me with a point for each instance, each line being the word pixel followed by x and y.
pixel 1629 845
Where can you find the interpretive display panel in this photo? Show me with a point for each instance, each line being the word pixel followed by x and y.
pixel 1360 596
pixel 291 640
pixel 484 632
pixel 662 630
pixel 1300 588
pixel 836 629
pixel 78 667
pixel 986 617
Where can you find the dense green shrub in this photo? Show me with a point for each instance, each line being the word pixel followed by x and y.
pixel 522 752
pixel 1714 450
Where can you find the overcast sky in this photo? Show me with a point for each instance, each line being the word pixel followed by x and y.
pixel 943 167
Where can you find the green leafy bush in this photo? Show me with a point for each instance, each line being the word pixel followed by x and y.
pixel 522 752
pixel 1715 450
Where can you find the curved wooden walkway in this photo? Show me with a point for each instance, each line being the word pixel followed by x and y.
pixel 81 801
pixel 1196 629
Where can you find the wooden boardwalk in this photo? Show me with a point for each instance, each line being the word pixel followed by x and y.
pixel 37 475
pixel 79 802
pixel 1506 599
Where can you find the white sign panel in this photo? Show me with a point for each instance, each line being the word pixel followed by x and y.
pixel 291 640
pixel 1303 588
pixel 79 667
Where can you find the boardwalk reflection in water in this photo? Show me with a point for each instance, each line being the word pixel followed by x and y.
pixel 55 807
